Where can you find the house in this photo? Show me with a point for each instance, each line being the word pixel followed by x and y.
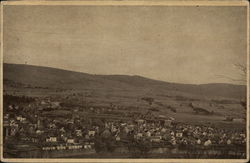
pixel 140 121
pixel 34 138
pixel 52 125
pixel 10 107
pixel 6 116
pixel 117 138
pixel 43 103
pixel 155 139
pixel 91 133
pixel 19 117
pixel 139 135
pixel 179 134
pixel 39 131
pixel 55 104
pixel 70 141
pixel 22 119
pixel 229 119
pixel 51 139
pixel 60 147
pixel 13 123
pixel 6 129
pixel 168 123
pixel 148 134
pixel 79 132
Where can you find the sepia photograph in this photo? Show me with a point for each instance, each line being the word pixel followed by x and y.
pixel 124 80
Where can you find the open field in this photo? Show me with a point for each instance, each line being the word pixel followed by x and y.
pixel 126 93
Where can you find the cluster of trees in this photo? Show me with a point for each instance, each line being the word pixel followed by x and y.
pixel 148 99
pixel 106 143
pixel 16 100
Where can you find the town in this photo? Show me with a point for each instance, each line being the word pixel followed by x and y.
pixel 41 127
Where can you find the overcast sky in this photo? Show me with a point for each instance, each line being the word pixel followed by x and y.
pixel 174 44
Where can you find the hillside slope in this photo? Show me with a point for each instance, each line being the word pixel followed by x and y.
pixel 58 78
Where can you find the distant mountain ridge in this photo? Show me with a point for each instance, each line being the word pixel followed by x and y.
pixel 58 78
